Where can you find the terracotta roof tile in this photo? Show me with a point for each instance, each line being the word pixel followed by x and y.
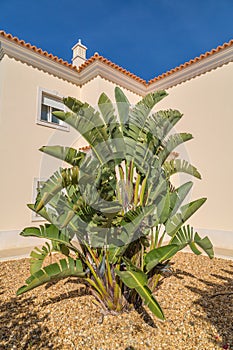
pixel 85 148
pixel 192 61
pixel 34 48
pixel 97 57
pixel 104 60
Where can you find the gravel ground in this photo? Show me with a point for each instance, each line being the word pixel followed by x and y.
pixel 197 301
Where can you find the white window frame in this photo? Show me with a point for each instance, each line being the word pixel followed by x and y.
pixel 57 97
pixel 36 183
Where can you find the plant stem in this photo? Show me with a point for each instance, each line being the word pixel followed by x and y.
pixel 156 236
pixel 142 257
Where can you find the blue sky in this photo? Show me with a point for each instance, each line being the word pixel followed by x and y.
pixel 147 37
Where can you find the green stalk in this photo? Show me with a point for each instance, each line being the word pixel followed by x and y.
pixel 68 218
pixel 161 239
pixel 121 172
pixel 130 182
pixel 122 179
pixel 126 171
pixel 94 258
pixel 117 288
pixel 142 257
pixel 152 242
pixel 143 189
pixel 119 196
pixel 155 283
pixel 136 189
pixel 93 284
pixel 130 173
pixel 110 304
pixel 108 271
pixel 156 236
pixel 98 280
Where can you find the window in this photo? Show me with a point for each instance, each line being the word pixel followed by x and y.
pixel 36 186
pixel 48 103
pixel 48 106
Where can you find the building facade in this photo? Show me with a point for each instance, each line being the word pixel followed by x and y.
pixel 32 84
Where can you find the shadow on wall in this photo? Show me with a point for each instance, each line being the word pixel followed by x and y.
pixel 217 302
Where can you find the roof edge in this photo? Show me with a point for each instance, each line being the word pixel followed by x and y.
pixel 97 57
pixel 99 65
pixel 193 70
pixel 192 61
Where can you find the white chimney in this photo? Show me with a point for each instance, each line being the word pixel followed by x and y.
pixel 79 54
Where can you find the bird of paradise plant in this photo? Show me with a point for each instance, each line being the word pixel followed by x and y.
pixel 110 210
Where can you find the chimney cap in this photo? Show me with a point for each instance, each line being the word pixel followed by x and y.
pixel 79 43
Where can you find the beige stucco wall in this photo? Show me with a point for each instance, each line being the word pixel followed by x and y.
pixel 91 91
pixel 21 137
pixel 1 88
pixel 207 104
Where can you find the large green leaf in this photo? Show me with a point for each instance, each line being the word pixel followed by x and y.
pixel 64 268
pixel 138 153
pixel 122 106
pixel 107 110
pixel 160 123
pixel 150 100
pixel 173 141
pixel 84 110
pixel 68 154
pixel 205 244
pixel 178 196
pixel 149 300
pixel 176 221
pixel 132 227
pixel 43 212
pixel 158 187
pixel 160 254
pixel 91 126
pixel 137 279
pixel 38 256
pixel 139 115
pixel 180 166
pixel 138 137
pixel 185 236
pixel 49 231
pixel 163 208
pixel 59 180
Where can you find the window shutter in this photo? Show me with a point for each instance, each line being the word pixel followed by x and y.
pixel 50 101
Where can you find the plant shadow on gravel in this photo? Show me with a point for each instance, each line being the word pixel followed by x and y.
pixel 217 302
pixel 83 290
pixel 68 294
pixel 180 274
pixel 145 316
pixel 22 328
